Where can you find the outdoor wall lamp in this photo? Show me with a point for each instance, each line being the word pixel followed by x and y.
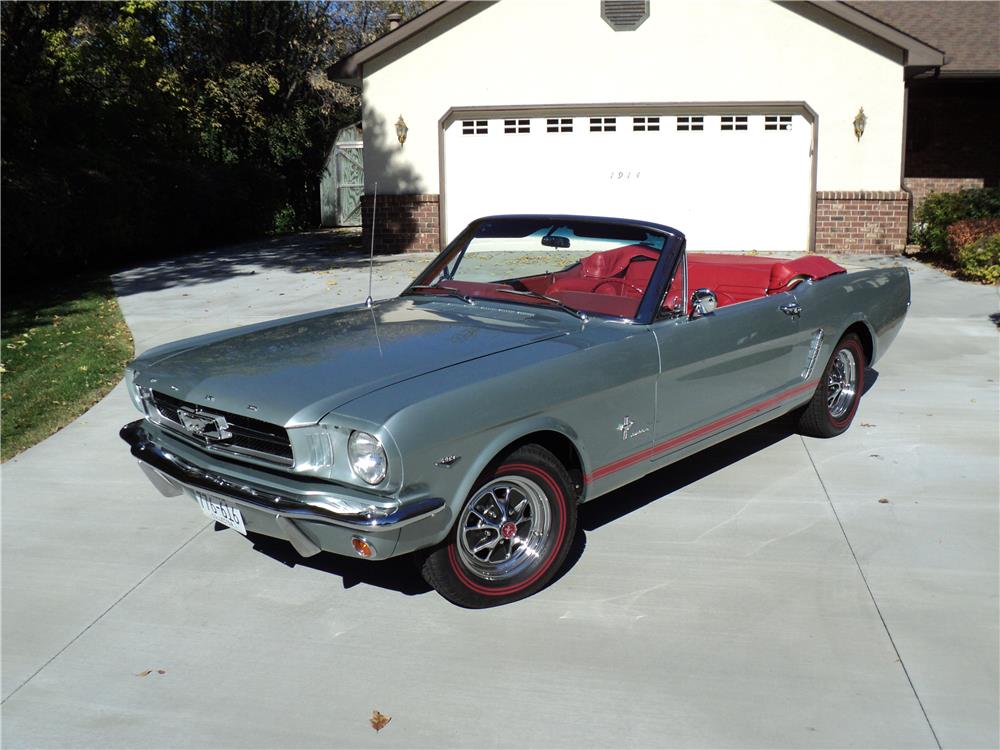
pixel 401 130
pixel 859 123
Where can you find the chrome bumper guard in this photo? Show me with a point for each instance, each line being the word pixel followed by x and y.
pixel 170 474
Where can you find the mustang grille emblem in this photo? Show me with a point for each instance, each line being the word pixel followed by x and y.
pixel 204 425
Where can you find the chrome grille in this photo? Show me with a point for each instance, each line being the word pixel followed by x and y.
pixel 252 438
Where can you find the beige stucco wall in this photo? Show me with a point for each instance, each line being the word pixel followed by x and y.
pixel 525 52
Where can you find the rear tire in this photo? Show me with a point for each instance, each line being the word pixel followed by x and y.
pixel 512 534
pixel 836 399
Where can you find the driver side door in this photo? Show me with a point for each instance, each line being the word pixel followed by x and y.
pixel 719 369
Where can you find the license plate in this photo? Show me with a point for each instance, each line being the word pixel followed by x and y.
pixel 218 509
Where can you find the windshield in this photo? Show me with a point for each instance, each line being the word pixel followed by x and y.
pixel 579 266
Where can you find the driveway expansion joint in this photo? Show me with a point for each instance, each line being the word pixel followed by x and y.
pixel 101 616
pixel 871 594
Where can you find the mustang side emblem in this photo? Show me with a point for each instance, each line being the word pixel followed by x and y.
pixel 204 425
pixel 625 428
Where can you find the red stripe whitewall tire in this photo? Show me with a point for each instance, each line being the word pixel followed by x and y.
pixel 511 536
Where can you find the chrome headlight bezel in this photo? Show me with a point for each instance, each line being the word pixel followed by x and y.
pixel 136 393
pixel 367 457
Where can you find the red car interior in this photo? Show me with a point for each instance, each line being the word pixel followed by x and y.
pixel 612 282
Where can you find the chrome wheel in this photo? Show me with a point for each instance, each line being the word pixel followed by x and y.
pixel 503 528
pixel 842 383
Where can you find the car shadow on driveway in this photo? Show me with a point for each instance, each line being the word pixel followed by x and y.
pixel 402 574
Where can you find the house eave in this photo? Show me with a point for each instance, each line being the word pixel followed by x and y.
pixel 917 54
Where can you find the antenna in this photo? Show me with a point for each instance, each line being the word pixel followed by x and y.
pixel 371 256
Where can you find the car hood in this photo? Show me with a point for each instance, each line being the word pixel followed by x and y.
pixel 295 371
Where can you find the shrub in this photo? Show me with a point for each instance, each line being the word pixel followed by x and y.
pixel 940 210
pixel 284 220
pixel 967 231
pixel 980 260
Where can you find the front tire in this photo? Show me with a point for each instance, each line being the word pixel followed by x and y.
pixel 836 399
pixel 512 534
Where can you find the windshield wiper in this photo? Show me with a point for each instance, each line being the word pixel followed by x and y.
pixel 558 303
pixel 448 290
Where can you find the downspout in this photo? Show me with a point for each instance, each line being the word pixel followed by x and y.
pixel 902 165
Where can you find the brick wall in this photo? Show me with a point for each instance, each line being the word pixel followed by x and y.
pixel 404 223
pixel 921 187
pixel 873 222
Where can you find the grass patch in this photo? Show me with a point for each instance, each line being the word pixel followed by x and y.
pixel 61 351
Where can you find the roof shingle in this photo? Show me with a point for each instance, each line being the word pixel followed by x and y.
pixel 967 30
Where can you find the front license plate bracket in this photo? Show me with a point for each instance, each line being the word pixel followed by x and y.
pixel 219 510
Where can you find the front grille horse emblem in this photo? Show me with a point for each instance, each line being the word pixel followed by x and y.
pixel 204 425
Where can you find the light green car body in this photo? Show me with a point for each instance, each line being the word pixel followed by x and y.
pixel 449 386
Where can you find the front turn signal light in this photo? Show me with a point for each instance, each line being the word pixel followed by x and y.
pixel 362 547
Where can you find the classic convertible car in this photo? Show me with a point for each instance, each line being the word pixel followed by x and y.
pixel 537 363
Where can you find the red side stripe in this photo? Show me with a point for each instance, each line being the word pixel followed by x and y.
pixel 699 432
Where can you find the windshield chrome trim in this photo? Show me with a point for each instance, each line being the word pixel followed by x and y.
pixel 673 245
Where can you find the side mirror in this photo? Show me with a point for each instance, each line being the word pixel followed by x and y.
pixel 703 302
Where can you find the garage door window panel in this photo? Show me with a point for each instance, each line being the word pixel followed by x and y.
pixel 516 126
pixel 690 122
pixel 645 124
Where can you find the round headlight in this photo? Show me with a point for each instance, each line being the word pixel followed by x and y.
pixel 367 457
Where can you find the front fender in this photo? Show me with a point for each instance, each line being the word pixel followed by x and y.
pixel 432 531
pixel 516 433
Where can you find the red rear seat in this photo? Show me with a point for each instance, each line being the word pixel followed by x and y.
pixel 625 272
pixel 738 278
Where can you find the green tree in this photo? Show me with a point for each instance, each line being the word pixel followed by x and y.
pixel 143 127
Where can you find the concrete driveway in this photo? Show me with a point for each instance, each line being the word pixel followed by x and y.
pixel 758 595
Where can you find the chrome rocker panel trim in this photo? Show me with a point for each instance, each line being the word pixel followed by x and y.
pixel 334 509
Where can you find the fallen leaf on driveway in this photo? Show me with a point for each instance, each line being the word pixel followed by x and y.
pixel 148 672
pixel 883 499
pixel 379 720
pixel 868 424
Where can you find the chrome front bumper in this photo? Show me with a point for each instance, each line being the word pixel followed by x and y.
pixel 171 475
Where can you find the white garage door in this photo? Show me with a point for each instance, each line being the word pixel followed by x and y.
pixel 733 182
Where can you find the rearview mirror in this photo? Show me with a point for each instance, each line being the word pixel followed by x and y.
pixel 552 240
pixel 703 302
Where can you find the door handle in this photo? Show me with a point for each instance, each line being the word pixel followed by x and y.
pixel 792 308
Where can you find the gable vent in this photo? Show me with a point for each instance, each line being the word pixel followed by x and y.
pixel 624 15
